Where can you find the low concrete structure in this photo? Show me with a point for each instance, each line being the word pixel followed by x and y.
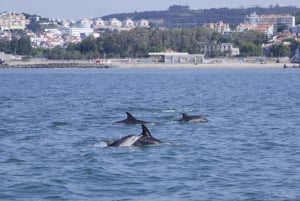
pixel 176 58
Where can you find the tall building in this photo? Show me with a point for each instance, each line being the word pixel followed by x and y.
pixel 276 20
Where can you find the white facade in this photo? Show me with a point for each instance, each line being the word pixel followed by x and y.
pixel 10 21
pixel 288 20
pixel 143 23
pixel 99 24
pixel 64 30
pixel 176 57
pixel 84 23
pixel 129 24
pixel 222 48
pixel 115 23
pixel 80 32
pixel 220 27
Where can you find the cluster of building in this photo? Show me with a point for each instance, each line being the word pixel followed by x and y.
pixel 9 21
pixel 267 24
pixel 66 31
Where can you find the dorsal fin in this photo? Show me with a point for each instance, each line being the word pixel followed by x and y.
pixel 145 131
pixel 129 116
pixel 184 115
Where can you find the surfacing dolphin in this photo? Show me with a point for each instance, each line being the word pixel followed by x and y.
pixel 145 138
pixel 131 120
pixel 193 118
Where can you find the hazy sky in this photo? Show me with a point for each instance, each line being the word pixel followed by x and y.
pixel 77 9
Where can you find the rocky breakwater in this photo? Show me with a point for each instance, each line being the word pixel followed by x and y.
pixel 55 65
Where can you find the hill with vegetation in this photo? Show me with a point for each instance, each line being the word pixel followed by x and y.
pixel 183 17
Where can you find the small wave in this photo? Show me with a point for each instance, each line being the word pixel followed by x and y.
pixel 169 111
pixel 100 144
pixel 14 160
pixel 59 124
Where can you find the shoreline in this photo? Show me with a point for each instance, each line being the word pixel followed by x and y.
pixel 204 65
pixel 125 65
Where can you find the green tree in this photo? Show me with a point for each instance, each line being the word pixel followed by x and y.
pixel 281 27
pixel 13 46
pixel 35 27
pixel 4 46
pixel 294 45
pixel 24 46
pixel 279 50
pixel 87 45
pixel 250 49
pixel 297 17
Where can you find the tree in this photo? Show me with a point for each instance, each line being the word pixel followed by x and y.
pixel 250 49
pixel 281 27
pixel 87 45
pixel 4 46
pixel 294 45
pixel 24 46
pixel 13 46
pixel 35 27
pixel 297 17
pixel 279 50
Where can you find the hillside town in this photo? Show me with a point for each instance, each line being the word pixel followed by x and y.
pixel 53 33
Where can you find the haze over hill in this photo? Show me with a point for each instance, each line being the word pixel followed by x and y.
pixel 184 17
pixel 74 10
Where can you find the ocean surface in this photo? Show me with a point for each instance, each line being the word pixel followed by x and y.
pixel 54 122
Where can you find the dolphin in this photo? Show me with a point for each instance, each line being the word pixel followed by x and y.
pixel 193 118
pixel 126 141
pixel 131 120
pixel 145 138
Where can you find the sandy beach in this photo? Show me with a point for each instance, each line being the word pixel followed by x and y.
pixel 122 64
pixel 205 65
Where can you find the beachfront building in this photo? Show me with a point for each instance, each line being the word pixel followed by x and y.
pixel 12 21
pixel 219 49
pixel 176 58
pixel 276 20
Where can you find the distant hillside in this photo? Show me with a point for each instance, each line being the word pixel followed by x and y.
pixel 182 16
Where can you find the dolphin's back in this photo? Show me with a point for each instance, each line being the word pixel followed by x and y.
pixel 125 141
pixel 131 120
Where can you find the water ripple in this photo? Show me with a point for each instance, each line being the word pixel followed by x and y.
pixel 54 122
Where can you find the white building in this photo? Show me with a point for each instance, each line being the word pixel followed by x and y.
pixel 84 23
pixel 219 27
pixel 64 30
pixel 176 57
pixel 115 24
pixel 287 20
pixel 99 24
pixel 80 32
pixel 219 48
pixel 143 23
pixel 128 24
pixel 10 21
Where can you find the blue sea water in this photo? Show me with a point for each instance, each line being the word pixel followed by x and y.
pixel 53 123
